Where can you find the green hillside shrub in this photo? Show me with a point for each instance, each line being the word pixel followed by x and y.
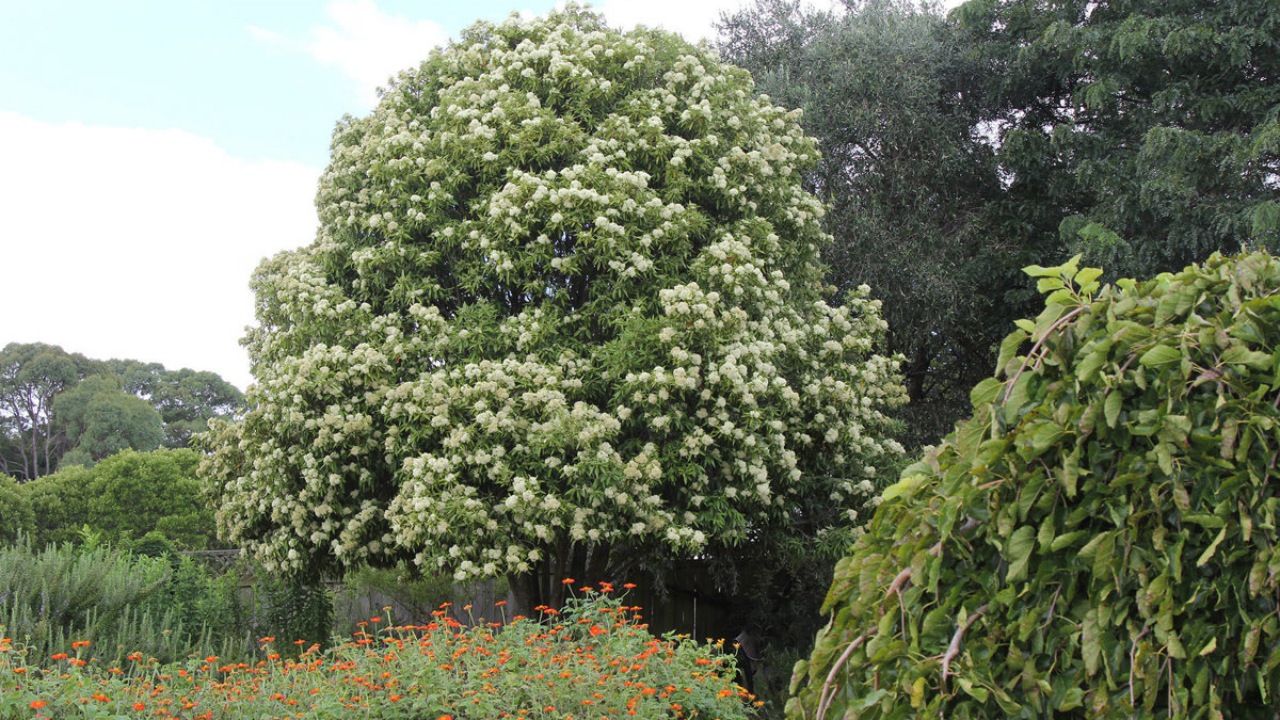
pixel 1100 539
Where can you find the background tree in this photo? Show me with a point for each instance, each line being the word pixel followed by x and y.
pixel 101 419
pixel 888 90
pixel 186 399
pixel 34 376
pixel 564 311
pixel 31 375
pixel 1095 542
pixel 1143 133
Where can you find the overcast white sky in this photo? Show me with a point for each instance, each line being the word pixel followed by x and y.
pixel 152 152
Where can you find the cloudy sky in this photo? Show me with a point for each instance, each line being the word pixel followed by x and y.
pixel 152 152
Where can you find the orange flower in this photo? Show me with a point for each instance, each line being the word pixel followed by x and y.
pixel 79 644
pixel 567 581
pixel 37 704
pixel 597 630
pixel 266 639
pixel 139 706
pixel 60 656
pixel 211 659
pixel 396 698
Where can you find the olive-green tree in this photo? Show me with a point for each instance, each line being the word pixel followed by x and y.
pixel 100 419
pixel 888 91
pixel 564 311
pixel 31 376
pixel 1099 539
pixel 1143 133
pixel 186 399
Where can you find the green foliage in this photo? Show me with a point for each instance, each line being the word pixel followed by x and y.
pixel 1141 133
pixel 1099 540
pixel 564 305
pixel 16 516
pixel 124 498
pixel 101 419
pixel 44 413
pixel 118 602
pixel 61 504
pixel 186 399
pixel 886 89
pixel 31 376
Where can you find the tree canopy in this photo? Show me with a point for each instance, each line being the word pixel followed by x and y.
pixel 565 305
pixel 45 414
pixel 1143 133
pixel 1098 540
pixel 186 399
pixel 31 376
pixel 887 90
pixel 101 419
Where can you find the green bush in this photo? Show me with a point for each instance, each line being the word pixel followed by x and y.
pixel 60 504
pixel 1101 539
pixel 16 515
pixel 123 498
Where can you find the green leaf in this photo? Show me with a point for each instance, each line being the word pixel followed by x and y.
pixel 1049 284
pixel 977 693
pixel 1018 552
pixel 1066 540
pixel 1009 349
pixel 1071 699
pixel 1044 538
pixel 986 392
pixel 1091 642
pixel 1240 355
pixel 1160 355
pixel 1087 277
pixel 1017 398
pixel 1208 553
pixel 1111 408
pixel 1045 435
pixel 1088 364
pixel 1037 271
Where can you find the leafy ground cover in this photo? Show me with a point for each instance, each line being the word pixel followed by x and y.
pixel 593 659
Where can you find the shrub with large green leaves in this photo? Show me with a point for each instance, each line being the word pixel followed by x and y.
pixel 1100 539
pixel 565 305
pixel 16 517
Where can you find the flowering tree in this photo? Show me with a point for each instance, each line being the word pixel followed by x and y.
pixel 565 305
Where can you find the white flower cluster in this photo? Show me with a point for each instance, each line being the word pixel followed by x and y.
pixel 566 290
